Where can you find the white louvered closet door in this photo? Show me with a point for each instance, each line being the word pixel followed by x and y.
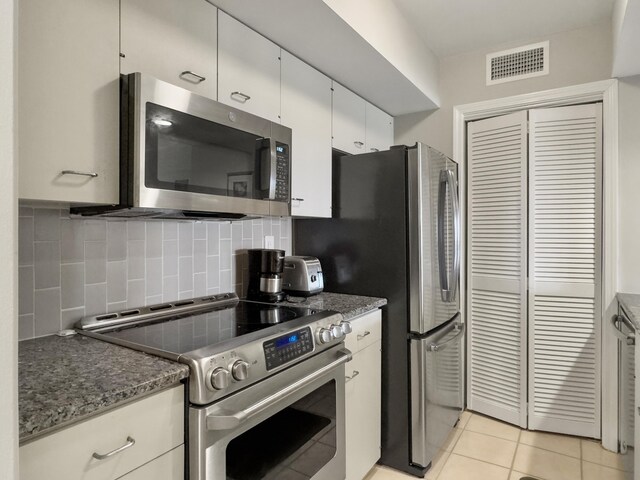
pixel 564 267
pixel 496 275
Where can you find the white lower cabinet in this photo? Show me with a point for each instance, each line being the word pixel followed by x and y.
pixel 363 395
pixel 636 413
pixel 152 426
pixel 167 466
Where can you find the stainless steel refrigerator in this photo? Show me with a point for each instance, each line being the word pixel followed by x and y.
pixel 395 233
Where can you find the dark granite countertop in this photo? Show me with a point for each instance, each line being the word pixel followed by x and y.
pixel 631 304
pixel 66 379
pixel 349 306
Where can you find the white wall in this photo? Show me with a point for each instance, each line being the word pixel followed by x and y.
pixel 577 56
pixel 8 253
pixel 629 185
pixel 382 25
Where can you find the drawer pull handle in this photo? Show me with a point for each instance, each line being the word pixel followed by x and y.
pixel 353 375
pixel 365 334
pixel 188 73
pixel 373 149
pixel 243 97
pixel 358 144
pixel 100 456
pixel 76 172
pixel 298 199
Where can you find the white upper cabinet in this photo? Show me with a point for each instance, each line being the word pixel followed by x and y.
pixel 68 100
pixel 379 129
pixel 248 69
pixel 172 40
pixel 349 113
pixel 306 109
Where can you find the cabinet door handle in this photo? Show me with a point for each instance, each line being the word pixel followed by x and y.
pixel 243 97
pixel 298 199
pixel 101 456
pixel 197 78
pixel 373 149
pixel 75 172
pixel 353 375
pixel 365 334
pixel 358 144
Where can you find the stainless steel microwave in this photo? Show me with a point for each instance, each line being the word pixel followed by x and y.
pixel 184 155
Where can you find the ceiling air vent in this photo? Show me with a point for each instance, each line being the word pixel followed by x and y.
pixel 518 63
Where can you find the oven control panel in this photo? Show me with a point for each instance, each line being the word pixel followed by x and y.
pixel 281 350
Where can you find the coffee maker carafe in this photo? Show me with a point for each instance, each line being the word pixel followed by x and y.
pixel 265 275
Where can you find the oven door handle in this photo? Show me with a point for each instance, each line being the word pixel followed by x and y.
pixel 225 420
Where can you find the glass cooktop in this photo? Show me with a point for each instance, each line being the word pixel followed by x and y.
pixel 187 332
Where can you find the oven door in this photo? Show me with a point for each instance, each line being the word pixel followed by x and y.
pixel 290 426
pixel 191 153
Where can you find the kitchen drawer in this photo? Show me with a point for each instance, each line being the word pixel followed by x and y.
pixel 366 331
pixel 169 466
pixel 156 423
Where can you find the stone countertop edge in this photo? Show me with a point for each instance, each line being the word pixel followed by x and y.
pixel 631 304
pixel 64 380
pixel 350 306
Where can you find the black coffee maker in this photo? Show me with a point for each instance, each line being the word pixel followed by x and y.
pixel 265 275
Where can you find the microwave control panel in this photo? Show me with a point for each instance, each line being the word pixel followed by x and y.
pixel 283 169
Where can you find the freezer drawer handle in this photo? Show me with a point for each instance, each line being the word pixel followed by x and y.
pixel 437 347
pixel 629 339
pixel 365 334
pixel 231 419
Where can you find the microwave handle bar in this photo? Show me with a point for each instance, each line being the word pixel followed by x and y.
pixel 232 419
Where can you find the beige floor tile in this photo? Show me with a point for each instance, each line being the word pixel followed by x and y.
pixel 546 464
pixel 593 452
pixel 464 418
pixel 518 475
pixel 463 468
pixel 486 448
pixel 452 439
pixel 383 473
pixel 488 426
pixel 593 471
pixel 548 441
pixel 437 465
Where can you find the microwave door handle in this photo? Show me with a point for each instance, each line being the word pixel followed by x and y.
pixel 268 168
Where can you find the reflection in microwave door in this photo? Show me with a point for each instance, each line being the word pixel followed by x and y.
pixel 240 184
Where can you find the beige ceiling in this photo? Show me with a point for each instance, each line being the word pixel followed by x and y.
pixel 451 27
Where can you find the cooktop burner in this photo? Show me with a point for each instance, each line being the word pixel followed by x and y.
pixel 184 333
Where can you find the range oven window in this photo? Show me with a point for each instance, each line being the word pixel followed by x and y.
pixel 294 443
pixel 191 154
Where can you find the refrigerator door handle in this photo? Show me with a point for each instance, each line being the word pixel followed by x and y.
pixel 448 284
pixel 438 347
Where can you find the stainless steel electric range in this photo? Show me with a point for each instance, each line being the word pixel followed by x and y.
pixel 266 384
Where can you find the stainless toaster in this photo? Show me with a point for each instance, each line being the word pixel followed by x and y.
pixel 302 276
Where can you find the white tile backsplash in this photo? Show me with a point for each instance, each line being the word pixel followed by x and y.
pixel 73 267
